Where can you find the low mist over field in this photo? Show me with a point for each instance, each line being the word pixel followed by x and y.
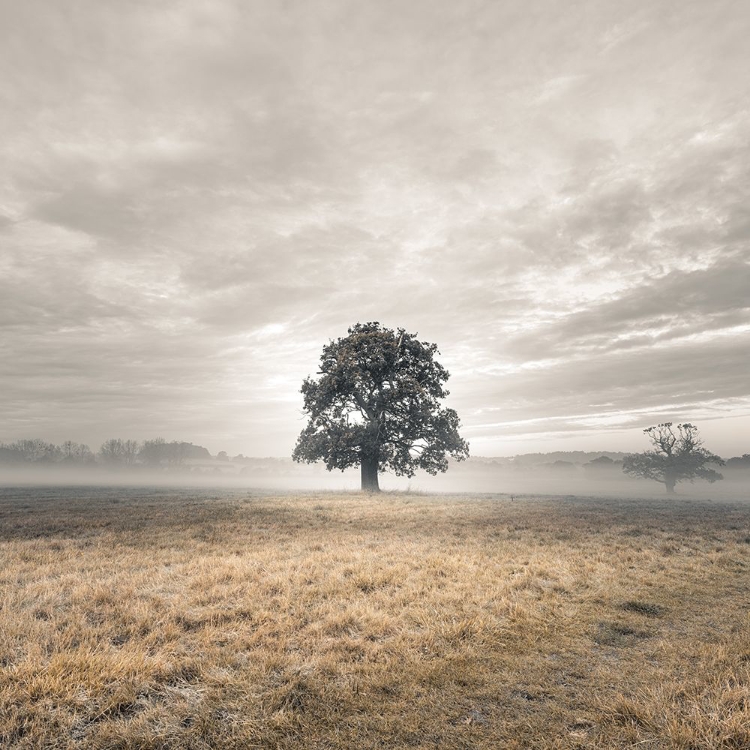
pixel 577 473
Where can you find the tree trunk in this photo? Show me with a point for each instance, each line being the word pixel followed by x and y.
pixel 369 469
pixel 669 483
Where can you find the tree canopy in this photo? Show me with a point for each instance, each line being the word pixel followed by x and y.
pixel 677 455
pixel 376 404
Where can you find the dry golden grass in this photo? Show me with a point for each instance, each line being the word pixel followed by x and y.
pixel 191 619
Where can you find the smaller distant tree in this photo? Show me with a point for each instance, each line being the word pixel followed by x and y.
pixel 195 451
pixel 175 453
pixel 36 451
pixel 603 462
pixel 76 453
pixel 602 467
pixel 130 450
pixel 69 451
pixel 677 455
pixel 152 452
pixel 739 462
pixel 159 453
pixel 112 452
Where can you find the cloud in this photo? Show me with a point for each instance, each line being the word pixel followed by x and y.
pixel 559 201
pixel 681 384
pixel 680 304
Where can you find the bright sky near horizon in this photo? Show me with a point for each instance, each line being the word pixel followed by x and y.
pixel 196 196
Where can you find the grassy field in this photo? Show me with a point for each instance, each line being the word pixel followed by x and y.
pixel 198 619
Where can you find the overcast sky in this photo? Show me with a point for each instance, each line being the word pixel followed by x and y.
pixel 196 196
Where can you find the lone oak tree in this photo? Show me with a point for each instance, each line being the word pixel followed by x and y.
pixel 675 457
pixel 376 404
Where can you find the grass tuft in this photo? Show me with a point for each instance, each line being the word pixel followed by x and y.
pixel 643 608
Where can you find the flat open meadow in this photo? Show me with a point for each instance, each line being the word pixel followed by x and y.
pixel 165 618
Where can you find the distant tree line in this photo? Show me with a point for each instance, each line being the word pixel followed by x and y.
pixel 114 453
pixel 684 463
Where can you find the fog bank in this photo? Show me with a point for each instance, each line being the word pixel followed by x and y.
pixel 496 476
